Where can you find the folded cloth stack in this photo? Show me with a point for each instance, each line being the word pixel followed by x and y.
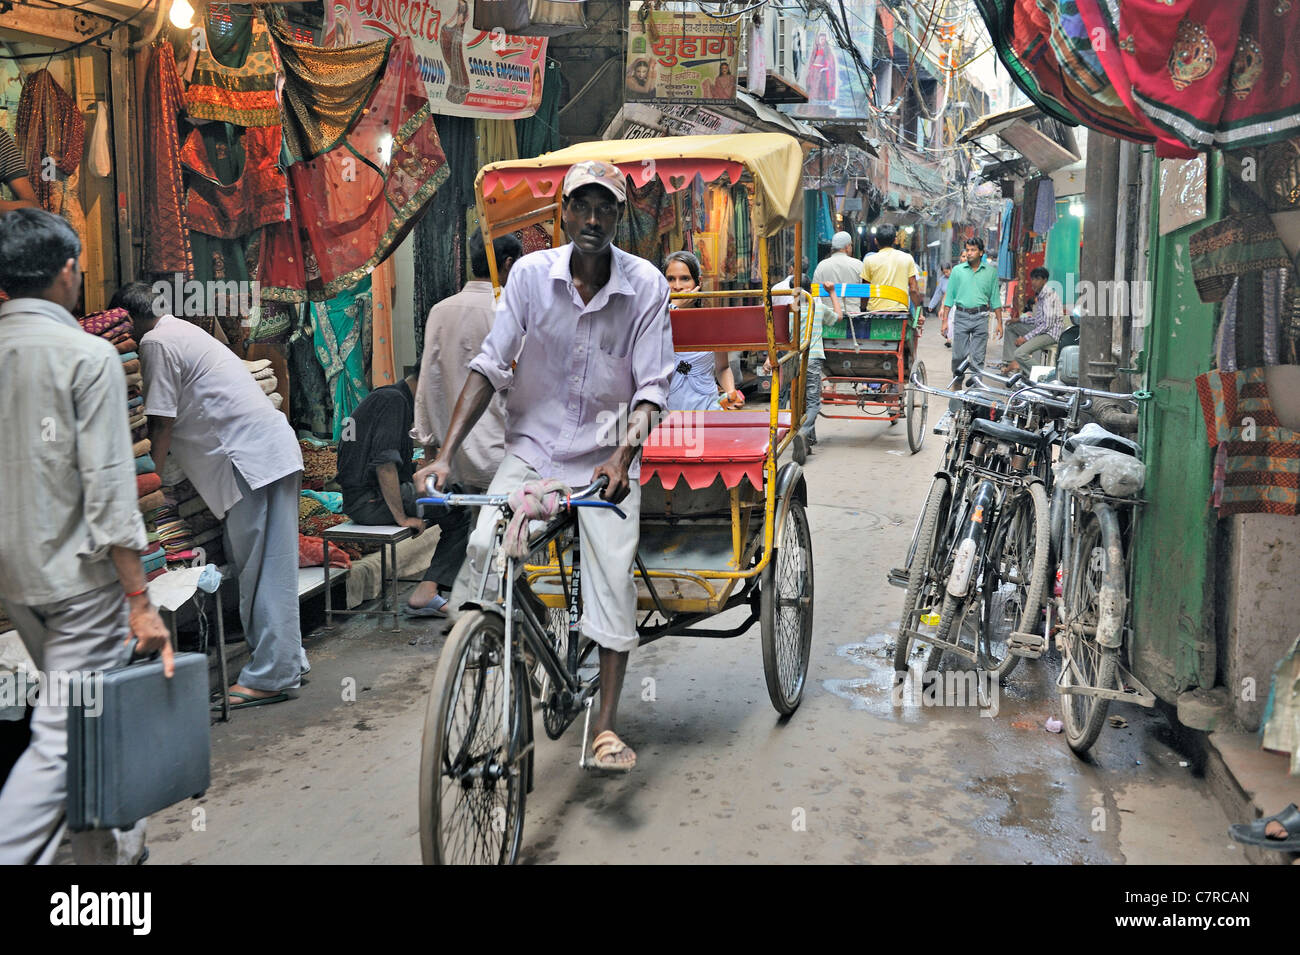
pixel 108 324
pixel 154 560
pixel 144 465
pixel 314 519
pixel 147 484
pixel 141 447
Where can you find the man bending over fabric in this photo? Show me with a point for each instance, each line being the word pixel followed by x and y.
pixel 375 473
pixel 243 458
pixel 582 335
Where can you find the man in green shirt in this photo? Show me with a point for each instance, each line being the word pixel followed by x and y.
pixel 973 292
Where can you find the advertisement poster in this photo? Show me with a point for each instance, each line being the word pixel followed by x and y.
pixel 682 57
pixel 467 72
pixel 826 72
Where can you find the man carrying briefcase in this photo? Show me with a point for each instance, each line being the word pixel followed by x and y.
pixel 70 528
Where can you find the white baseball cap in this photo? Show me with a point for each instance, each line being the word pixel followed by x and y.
pixel 594 172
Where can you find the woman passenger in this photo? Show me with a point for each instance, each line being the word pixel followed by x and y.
pixel 694 385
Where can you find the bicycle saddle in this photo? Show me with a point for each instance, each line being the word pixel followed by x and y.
pixel 1001 431
pixel 1095 436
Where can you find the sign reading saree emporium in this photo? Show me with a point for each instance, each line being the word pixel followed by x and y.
pixel 681 57
pixel 467 72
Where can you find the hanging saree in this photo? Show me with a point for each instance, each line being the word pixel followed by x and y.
pixel 324 89
pixel 51 131
pixel 337 326
pixel 243 95
pixel 166 230
pixel 356 203
pixel 233 207
pixel 440 236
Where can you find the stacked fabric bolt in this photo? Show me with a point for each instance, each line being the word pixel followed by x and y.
pixel 320 463
pixel 314 518
pixel 114 326
pixel 264 375
pixel 187 524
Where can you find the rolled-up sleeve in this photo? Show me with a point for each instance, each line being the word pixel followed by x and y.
pixel 501 347
pixel 161 380
pixel 104 460
pixel 652 353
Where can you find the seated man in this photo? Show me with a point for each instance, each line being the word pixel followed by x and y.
pixel 1041 331
pixel 375 473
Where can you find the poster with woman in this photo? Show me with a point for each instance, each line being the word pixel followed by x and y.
pixel 682 57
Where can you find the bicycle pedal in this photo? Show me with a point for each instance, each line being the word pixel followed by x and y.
pixel 1027 645
pixel 898 577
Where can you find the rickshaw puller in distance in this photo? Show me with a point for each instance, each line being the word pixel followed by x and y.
pixel 582 335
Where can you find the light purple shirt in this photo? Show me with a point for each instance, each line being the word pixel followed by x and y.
pixel 579 369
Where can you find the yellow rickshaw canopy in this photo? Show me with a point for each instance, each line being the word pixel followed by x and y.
pixel 520 192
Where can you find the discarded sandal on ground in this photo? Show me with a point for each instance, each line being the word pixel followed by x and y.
pixel 1252 833
pixel 605 747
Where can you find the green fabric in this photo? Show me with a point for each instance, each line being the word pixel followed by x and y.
pixel 540 133
pixel 969 289
pixel 1062 256
pixel 338 325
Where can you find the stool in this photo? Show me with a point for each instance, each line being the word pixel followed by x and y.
pixel 387 537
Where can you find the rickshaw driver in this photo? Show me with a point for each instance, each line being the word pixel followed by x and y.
pixel 581 334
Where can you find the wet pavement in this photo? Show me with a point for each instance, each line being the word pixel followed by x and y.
pixel 850 777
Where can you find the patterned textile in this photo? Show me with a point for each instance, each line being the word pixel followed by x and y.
pixel 166 231
pixel 325 89
pixel 1261 467
pixel 242 95
pixel 106 324
pixel 311 553
pixel 314 519
pixel 255 198
pixel 354 204
pixel 50 126
pixel 1232 247
pixel 338 324
pixel 320 463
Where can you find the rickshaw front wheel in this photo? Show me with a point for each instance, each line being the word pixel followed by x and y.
pixel 916 405
pixel 786 612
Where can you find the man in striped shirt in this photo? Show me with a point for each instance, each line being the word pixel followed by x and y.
pixel 1043 329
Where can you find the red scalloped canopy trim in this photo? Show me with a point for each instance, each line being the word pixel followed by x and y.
pixel 703 474
pixel 675 174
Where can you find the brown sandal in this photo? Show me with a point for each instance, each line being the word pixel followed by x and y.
pixel 607 745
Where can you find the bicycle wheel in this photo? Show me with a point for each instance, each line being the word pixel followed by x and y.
pixel 920 578
pixel 471 795
pixel 786 612
pixel 1017 569
pixel 1084 714
pixel 918 404
pixel 956 616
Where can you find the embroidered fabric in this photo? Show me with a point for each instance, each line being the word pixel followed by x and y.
pixel 253 200
pixel 166 230
pixel 243 95
pixel 1259 460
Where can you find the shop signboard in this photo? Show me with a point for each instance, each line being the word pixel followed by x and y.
pixel 835 88
pixel 467 72
pixel 682 58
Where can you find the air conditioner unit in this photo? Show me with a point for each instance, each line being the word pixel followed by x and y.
pixel 786 60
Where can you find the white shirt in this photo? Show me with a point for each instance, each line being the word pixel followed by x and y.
pixel 572 371
pixel 223 420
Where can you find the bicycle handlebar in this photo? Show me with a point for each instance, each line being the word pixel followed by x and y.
pixel 583 498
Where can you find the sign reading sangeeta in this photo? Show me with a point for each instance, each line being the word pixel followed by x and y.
pixel 467 72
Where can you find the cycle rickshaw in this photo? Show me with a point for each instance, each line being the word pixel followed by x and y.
pixel 723 524
pixel 871 363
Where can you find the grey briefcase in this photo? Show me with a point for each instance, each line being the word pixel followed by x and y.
pixel 137 743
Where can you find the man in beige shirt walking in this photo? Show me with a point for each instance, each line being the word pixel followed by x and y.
pixel 453 336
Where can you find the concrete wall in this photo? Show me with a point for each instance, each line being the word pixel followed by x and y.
pixel 1259 604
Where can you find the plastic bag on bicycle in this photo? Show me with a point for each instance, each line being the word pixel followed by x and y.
pixel 1119 474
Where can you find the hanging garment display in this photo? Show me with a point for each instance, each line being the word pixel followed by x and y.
pixel 166 231
pixel 337 326
pixel 325 89
pixel 355 203
pixel 451 41
pixel 53 137
pixel 1261 459
pixel 233 207
pixel 440 234
pixel 242 95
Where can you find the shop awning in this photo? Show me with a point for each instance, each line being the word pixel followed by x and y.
pixel 777 119
pixel 520 192
pixel 1015 128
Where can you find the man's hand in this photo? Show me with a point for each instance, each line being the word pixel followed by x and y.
pixel 999 326
pixel 616 470
pixel 414 523
pixel 1022 339
pixel 439 470
pixel 150 633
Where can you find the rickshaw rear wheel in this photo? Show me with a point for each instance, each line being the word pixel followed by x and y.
pixel 471 798
pixel 786 612
pixel 915 410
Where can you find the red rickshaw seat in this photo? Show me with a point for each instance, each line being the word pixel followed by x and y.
pixel 728 328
